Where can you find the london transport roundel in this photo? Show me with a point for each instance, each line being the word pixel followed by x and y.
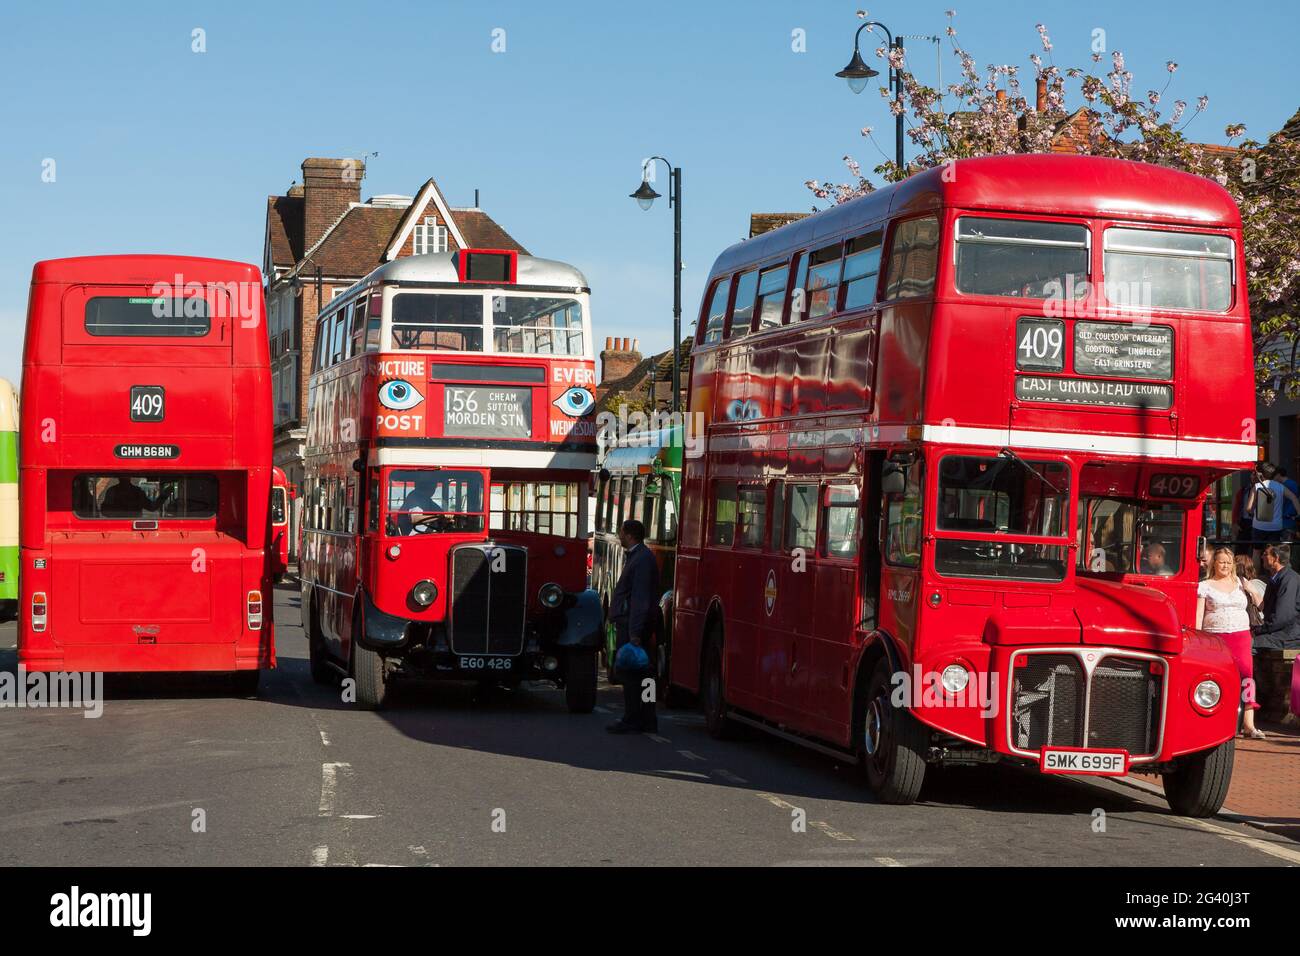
pixel 769 592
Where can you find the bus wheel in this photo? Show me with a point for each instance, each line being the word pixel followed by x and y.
pixel 244 683
pixel 892 743
pixel 317 658
pixel 580 681
pixel 1198 784
pixel 713 692
pixel 370 671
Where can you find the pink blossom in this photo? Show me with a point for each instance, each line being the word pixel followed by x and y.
pixel 1171 66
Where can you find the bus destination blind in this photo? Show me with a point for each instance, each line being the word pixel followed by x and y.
pixel 487 411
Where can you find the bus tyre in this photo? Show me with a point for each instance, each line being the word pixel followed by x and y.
pixel 1198 784
pixel 245 683
pixel 317 659
pixel 371 674
pixel 713 700
pixel 580 681
pixel 892 742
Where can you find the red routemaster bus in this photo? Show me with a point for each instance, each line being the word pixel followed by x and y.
pixel 450 449
pixel 145 474
pixel 958 436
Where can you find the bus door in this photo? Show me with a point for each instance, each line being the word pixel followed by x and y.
pixel 902 489
pixel 789 656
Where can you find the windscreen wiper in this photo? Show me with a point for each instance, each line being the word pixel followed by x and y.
pixel 1008 453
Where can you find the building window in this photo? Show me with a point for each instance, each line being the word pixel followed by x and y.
pixel 430 237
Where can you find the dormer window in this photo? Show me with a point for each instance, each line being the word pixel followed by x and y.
pixel 430 236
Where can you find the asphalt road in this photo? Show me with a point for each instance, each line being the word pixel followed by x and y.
pixel 175 771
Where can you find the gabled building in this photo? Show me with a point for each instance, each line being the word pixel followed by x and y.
pixel 321 238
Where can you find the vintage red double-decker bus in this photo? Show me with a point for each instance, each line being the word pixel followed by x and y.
pixel 145 474
pixel 450 449
pixel 958 436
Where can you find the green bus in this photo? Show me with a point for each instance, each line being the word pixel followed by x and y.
pixel 641 478
pixel 8 500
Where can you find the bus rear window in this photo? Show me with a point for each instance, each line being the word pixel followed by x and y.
pixel 147 316
pixel 144 496
pixel 1155 269
pixel 1027 258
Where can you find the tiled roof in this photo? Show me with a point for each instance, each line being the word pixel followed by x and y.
pixel 481 231
pixel 284 221
pixel 356 245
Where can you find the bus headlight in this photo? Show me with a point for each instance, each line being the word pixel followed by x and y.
pixel 550 595
pixel 1207 694
pixel 954 678
pixel 424 593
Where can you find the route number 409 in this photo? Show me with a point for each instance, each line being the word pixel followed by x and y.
pixel 146 403
pixel 1041 343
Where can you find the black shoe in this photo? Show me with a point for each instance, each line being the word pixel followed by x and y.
pixel 621 727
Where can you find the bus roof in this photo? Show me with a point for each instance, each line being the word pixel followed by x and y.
pixel 128 269
pixel 643 448
pixel 441 267
pixel 1040 183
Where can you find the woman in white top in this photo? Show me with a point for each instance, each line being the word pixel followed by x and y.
pixel 1221 601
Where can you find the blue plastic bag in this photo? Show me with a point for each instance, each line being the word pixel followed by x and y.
pixel 630 657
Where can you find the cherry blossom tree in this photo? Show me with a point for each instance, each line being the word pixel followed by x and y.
pixel 993 116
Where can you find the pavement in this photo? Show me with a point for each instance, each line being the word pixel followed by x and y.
pixel 176 771
pixel 1265 788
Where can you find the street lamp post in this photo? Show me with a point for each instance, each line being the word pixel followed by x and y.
pixel 857 73
pixel 645 197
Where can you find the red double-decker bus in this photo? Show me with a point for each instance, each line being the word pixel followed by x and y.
pixel 947 507
pixel 450 449
pixel 145 474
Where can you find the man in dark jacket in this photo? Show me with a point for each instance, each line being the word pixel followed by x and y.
pixel 634 610
pixel 1281 609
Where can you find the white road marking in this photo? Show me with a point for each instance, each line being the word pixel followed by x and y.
pixel 419 851
pixel 329 781
pixel 1263 846
pixel 324 739
pixel 602 709
pixel 818 824
pixel 729 776
pixel 320 856
pixel 831 832
pixel 690 756
pixel 359 816
pixel 659 740
pixel 887 861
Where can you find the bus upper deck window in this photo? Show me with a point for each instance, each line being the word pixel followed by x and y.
pixel 716 318
pixel 537 325
pixel 742 313
pixel 913 258
pixel 1019 257
pixel 771 296
pixel 823 281
pixel 1154 268
pixel 438 322
pixel 147 316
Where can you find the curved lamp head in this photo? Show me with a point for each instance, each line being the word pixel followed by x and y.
pixel 857 73
pixel 644 195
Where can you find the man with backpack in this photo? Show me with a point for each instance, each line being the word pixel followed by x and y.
pixel 1265 502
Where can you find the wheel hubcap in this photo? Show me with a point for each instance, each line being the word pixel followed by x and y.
pixel 875 729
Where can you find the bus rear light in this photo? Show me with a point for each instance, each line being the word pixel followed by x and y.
pixel 254 610
pixel 39 611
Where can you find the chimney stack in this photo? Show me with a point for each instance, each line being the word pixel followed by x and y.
pixel 1002 100
pixel 619 357
pixel 1040 100
pixel 329 185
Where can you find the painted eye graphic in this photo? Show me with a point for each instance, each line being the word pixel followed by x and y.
pixel 735 410
pixel 399 395
pixel 575 402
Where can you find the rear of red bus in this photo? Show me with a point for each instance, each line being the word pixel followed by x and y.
pixel 145 477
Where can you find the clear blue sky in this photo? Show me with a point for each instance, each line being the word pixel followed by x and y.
pixel 160 149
